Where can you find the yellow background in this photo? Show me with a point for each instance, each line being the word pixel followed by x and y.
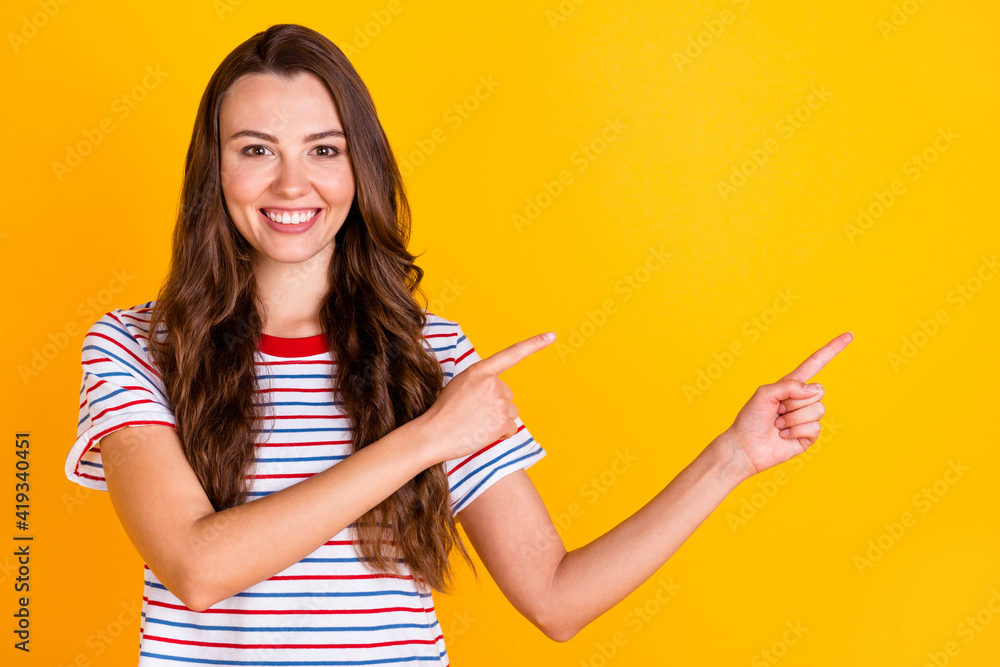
pixel 697 90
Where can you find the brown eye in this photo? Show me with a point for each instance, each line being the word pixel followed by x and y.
pixel 251 150
pixel 328 151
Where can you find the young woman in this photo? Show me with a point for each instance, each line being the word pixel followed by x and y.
pixel 302 436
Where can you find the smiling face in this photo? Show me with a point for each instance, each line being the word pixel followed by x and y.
pixel 287 179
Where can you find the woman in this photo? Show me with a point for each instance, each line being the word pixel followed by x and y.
pixel 302 436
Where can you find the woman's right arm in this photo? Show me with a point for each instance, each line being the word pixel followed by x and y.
pixel 203 556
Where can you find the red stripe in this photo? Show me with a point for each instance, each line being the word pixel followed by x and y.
pixel 305 444
pixel 90 443
pixel 306 417
pixel 143 333
pixel 119 407
pixel 483 450
pixel 307 361
pixel 384 610
pixel 318 577
pixel 282 476
pixel 125 349
pixel 188 642
pixel 87 393
pixel 115 317
pixel 311 577
pixel 304 389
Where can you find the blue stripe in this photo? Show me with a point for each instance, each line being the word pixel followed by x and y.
pixel 113 326
pixel 114 393
pixel 301 430
pixel 126 333
pixel 91 404
pixel 302 458
pixel 459 505
pixel 470 474
pixel 138 373
pixel 336 594
pixel 328 403
pixel 446 348
pixel 313 593
pixel 111 375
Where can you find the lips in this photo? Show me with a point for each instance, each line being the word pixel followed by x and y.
pixel 293 217
pixel 306 218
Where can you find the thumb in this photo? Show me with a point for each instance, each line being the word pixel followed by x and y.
pixel 789 388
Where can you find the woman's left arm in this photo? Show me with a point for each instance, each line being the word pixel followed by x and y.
pixel 561 593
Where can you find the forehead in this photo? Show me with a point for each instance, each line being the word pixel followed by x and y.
pixel 270 103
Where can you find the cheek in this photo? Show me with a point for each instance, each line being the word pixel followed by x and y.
pixel 343 187
pixel 240 186
pixel 230 185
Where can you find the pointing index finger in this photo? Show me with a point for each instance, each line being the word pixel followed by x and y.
pixel 509 356
pixel 820 358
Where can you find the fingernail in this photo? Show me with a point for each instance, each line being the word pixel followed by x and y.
pixel 814 387
pixel 785 432
pixel 549 336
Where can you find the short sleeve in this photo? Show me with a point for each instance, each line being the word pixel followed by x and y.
pixel 470 476
pixel 119 387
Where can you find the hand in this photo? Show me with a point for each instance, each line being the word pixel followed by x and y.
pixel 475 408
pixel 781 420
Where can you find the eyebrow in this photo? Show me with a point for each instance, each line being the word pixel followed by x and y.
pixel 267 137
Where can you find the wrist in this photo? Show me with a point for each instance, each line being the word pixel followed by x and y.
pixel 732 463
pixel 422 441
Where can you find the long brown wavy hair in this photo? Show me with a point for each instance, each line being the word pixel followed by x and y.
pixel 211 310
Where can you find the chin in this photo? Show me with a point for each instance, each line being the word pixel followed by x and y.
pixel 287 255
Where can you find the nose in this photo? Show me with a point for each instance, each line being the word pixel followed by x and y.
pixel 291 179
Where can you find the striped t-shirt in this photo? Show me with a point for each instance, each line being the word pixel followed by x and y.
pixel 327 609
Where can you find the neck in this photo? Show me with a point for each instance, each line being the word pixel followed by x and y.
pixel 292 295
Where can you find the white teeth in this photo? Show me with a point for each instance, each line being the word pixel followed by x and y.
pixel 293 218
